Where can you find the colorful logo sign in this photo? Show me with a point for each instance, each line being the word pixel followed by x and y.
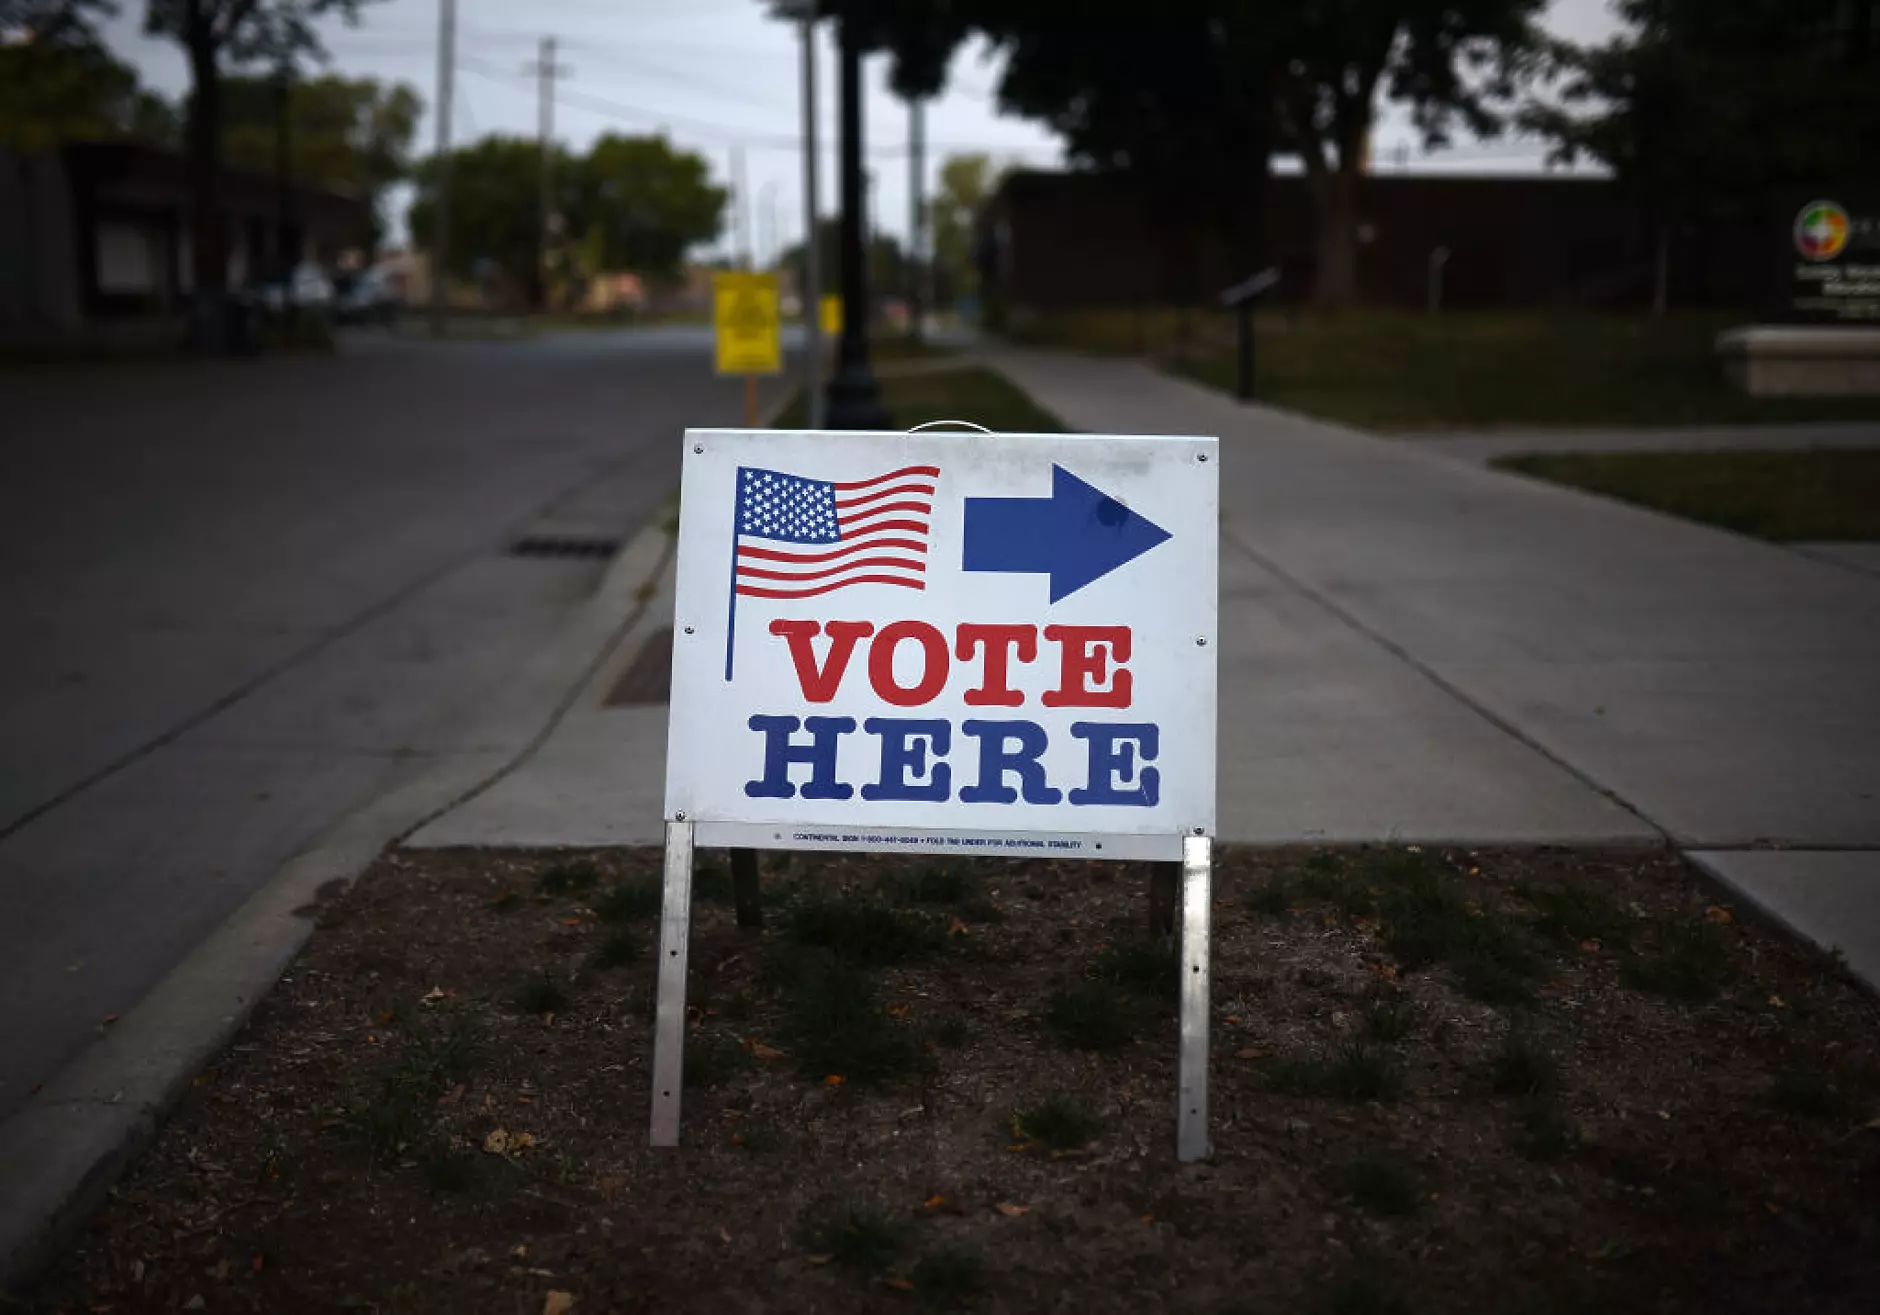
pixel 1821 230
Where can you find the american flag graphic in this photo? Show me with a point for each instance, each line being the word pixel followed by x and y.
pixel 797 538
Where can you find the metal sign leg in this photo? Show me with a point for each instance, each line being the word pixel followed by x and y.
pixel 1191 1113
pixel 675 926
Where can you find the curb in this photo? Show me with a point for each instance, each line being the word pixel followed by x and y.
pixel 60 1154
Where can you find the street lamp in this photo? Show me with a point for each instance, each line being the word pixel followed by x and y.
pixel 854 397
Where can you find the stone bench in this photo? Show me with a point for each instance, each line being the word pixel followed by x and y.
pixel 1794 360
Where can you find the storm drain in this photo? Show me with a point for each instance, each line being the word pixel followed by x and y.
pixel 649 679
pixel 565 547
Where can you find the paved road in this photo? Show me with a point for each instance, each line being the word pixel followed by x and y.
pixel 243 598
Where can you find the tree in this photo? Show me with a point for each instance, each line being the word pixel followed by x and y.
pixel 350 135
pixel 58 83
pixel 641 204
pixel 495 203
pixel 212 33
pixel 1183 95
pixel 1449 60
pixel 965 183
pixel 1715 105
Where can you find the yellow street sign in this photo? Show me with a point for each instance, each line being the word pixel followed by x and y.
pixel 745 315
pixel 831 314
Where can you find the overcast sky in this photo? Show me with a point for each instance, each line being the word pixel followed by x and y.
pixel 719 74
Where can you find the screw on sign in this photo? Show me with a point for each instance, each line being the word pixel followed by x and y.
pixel 890 643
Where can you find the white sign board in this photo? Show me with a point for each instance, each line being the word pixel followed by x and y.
pixel 945 643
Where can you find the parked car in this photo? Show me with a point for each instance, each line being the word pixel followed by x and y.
pixel 312 290
pixel 369 299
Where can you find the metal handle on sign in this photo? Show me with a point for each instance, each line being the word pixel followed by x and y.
pixel 963 424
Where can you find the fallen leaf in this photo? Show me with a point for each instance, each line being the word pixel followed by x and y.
pixel 525 1100
pixel 432 996
pixel 257 1263
pixel 1777 1002
pixel 110 1019
pixel 897 1011
pixel 935 1201
pixel 1011 1211
pixel 1718 914
pixel 1233 1018
pixel 571 922
pixel 385 1019
pixel 1590 945
pixel 819 1260
pixel 724 1235
pixel 1019 1147
pixel 558 1303
pixel 762 1051
pixel 497 1143
pixel 1148 1219
pixel 1251 1052
pixel 955 927
pixel 221 1270
pixel 834 1080
pixel 548 1020
pixel 522 1141
pixel 899 1284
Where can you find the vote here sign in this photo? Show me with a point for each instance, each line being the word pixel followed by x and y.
pixel 945 643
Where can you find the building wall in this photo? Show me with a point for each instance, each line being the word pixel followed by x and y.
pixel 1052 241
pixel 39 257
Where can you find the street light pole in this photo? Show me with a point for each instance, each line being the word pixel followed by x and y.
pixel 854 397
pixel 440 233
pixel 811 292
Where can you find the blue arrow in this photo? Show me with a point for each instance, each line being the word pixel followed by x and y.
pixel 1077 535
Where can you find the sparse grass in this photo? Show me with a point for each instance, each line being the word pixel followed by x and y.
pixel 1145 966
pixel 402 1110
pixel 1273 897
pixel 1812 1095
pixel 447 1169
pixel 540 995
pixel 1685 960
pixel 573 878
pixel 758 1139
pixel 864 933
pixel 1090 1017
pixel 951 1032
pixel 1546 1133
pixel 1579 913
pixel 835 1024
pixel 982 912
pixel 941 885
pixel 631 901
pixel 1380 1185
pixel 857 1237
pixel 617 951
pixel 504 901
pixel 1328 878
pixel 1360 1293
pixel 1387 1019
pixel 711 884
pixel 1426 920
pixel 1357 1071
pixel 1521 1066
pixel 948 1277
pixel 1058 1123
pixel 714 1060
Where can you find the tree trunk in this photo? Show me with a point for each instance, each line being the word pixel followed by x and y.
pixel 1336 281
pixel 208 231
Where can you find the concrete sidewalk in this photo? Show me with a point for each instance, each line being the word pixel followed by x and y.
pixel 1417 649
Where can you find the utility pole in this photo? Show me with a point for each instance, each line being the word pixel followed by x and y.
pixel 283 172
pixel 744 205
pixel 917 211
pixel 811 291
pixel 440 233
pixel 546 71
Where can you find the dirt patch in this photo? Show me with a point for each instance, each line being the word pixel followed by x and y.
pixel 1498 1081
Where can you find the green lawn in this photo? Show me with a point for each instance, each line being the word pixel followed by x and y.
pixel 968 394
pixel 1393 370
pixel 1819 493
